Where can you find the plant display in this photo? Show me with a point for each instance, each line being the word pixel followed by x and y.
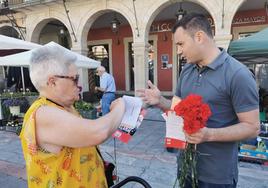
pixel 14 123
pixel 8 94
pixel 13 102
pixel 82 105
pixel 22 102
pixel 86 110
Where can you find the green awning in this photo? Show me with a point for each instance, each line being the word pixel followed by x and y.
pixel 252 49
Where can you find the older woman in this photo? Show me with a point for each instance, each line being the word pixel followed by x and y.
pixel 59 146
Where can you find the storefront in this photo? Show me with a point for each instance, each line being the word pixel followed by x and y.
pixel 141 47
pixel 162 58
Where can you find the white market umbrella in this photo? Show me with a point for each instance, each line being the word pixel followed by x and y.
pixel 23 59
pixel 8 43
pixel 81 61
pixel 13 45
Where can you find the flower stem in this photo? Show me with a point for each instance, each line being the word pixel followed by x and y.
pixel 187 166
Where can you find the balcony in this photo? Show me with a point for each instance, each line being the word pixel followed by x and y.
pixel 16 4
pixel 7 3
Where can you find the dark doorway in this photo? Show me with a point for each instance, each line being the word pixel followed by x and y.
pixel 100 53
pixel 131 66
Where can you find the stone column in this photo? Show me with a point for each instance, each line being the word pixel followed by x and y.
pixel 223 40
pixel 140 64
pixel 83 81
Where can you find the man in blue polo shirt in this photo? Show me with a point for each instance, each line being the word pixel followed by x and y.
pixel 107 86
pixel 227 87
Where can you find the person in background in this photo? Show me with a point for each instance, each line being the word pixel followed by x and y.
pixel 264 107
pixel 107 86
pixel 227 86
pixel 59 146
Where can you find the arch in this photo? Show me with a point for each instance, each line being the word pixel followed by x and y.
pixel 4 26
pixel 232 8
pixel 159 5
pixel 91 16
pixel 35 26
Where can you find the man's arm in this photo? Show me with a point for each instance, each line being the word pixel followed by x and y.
pixel 248 127
pixel 100 89
pixel 164 104
pixel 152 96
pixel 103 83
pixel 244 96
pixel 61 128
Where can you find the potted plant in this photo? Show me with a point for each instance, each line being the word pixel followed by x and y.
pixel 28 95
pixel 15 104
pixel 14 126
pixel 86 110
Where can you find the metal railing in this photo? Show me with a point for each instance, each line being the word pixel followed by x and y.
pixel 7 3
pixel 21 3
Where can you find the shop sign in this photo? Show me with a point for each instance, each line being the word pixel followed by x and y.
pixel 160 27
pixel 249 20
pixel 164 61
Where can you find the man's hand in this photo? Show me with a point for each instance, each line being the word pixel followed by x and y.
pixel 151 95
pixel 198 137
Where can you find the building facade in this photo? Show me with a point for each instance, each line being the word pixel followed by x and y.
pixel 132 38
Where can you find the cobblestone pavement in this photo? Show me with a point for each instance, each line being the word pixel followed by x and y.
pixel 144 156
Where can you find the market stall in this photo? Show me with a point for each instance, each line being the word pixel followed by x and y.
pixel 9 46
pixel 253 52
pixel 22 59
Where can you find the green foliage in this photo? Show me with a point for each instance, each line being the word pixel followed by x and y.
pixel 261 146
pixel 6 95
pixel 18 101
pixel 86 110
pixel 82 105
pixel 15 99
pixel 14 102
pixel 187 165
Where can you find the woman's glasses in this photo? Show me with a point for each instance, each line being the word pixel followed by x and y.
pixel 73 78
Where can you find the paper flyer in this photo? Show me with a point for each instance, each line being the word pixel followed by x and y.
pixel 132 119
pixel 175 137
pixel 174 102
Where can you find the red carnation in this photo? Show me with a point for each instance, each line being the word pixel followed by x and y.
pixel 195 114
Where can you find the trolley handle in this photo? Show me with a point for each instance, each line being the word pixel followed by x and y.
pixel 132 179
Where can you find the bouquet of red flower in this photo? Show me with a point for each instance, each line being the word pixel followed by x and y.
pixel 195 114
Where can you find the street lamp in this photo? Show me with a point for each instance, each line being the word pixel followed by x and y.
pixel 180 13
pixel 62 32
pixel 115 24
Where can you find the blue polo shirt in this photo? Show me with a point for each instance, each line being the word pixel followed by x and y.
pixel 228 87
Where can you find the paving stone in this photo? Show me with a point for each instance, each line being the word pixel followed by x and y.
pixel 144 156
pixel 7 181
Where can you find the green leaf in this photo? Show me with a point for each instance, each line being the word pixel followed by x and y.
pixel 82 105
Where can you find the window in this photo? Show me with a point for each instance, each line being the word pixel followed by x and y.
pixel 246 34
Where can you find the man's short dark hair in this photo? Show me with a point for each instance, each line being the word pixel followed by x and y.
pixel 194 22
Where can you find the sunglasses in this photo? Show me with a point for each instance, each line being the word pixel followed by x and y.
pixel 73 78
